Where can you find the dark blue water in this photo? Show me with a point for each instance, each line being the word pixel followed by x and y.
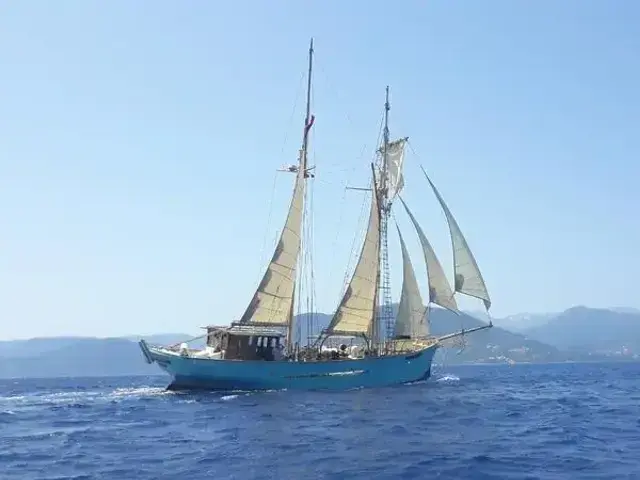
pixel 570 421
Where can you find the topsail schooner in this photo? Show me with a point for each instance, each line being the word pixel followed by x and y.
pixel 260 351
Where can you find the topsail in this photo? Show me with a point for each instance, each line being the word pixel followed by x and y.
pixel 393 165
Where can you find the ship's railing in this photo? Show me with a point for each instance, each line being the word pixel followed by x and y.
pixel 407 345
pixel 242 329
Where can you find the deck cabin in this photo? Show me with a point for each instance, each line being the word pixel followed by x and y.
pixel 240 342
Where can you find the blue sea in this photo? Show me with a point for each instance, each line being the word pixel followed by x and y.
pixel 565 421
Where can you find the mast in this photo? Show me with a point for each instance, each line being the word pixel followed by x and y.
pixel 385 207
pixel 307 118
pixel 303 174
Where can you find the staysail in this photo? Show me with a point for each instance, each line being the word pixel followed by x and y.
pixel 410 320
pixel 358 305
pixel 273 299
pixel 440 291
pixel 468 279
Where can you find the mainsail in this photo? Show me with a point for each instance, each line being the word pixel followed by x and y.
pixel 440 291
pixel 468 279
pixel 410 320
pixel 357 309
pixel 272 303
pixel 273 299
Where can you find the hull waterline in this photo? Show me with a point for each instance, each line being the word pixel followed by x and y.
pixel 190 373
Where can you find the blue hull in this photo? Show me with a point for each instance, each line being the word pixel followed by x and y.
pixel 206 374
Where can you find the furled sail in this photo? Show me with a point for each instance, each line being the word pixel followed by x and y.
pixel 440 291
pixel 272 303
pixel 468 279
pixel 410 320
pixel 394 162
pixel 357 308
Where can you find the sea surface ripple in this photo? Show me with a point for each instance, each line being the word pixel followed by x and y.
pixel 568 421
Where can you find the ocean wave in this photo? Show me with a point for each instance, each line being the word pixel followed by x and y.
pixel 495 423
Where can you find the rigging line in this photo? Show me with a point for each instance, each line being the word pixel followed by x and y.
pixel 323 76
pixel 303 297
pixel 275 177
pixel 353 251
pixel 408 142
pixel 266 231
pixel 308 262
pixel 311 235
pixel 327 183
pixel 413 150
pixel 293 112
pixel 341 218
pixel 336 171
pixel 335 240
pixel 418 157
pixel 333 88
pixel 302 300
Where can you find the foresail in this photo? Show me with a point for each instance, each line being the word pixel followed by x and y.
pixel 272 303
pixel 440 291
pixel 357 308
pixel 411 319
pixel 394 167
pixel 468 279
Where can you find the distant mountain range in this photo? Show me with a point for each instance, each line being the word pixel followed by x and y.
pixel 606 331
pixel 77 356
pixel 601 331
pixel 577 334
pixel 520 322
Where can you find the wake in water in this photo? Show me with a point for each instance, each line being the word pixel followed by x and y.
pixel 117 395
pixel 81 396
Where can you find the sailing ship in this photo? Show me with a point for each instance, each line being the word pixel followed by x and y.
pixel 260 351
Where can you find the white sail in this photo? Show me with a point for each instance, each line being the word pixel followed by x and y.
pixel 440 291
pixel 357 308
pixel 410 320
pixel 468 279
pixel 394 166
pixel 272 303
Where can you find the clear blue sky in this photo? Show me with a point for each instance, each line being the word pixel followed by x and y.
pixel 139 142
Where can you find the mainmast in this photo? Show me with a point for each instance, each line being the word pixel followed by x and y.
pixel 385 209
pixel 303 174
pixel 307 119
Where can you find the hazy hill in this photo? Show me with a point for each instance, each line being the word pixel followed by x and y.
pixel 78 356
pixel 521 322
pixel 591 329
pixel 81 357
pixel 35 346
pixel 576 334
